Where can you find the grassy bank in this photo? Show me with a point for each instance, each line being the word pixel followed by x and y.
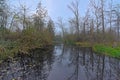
pixel 9 49
pixel 102 49
pixel 23 41
pixel 107 50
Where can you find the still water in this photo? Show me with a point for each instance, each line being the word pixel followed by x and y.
pixel 61 63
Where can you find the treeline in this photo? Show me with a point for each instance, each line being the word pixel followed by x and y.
pixel 21 31
pixel 100 24
pixel 19 24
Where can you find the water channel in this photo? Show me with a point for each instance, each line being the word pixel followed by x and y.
pixel 61 63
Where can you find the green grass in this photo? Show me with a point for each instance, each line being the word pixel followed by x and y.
pixel 107 50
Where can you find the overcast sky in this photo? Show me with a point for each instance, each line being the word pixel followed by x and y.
pixel 56 8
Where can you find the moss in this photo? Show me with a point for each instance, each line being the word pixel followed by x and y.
pixel 107 50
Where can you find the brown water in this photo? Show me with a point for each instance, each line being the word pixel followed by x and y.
pixel 61 63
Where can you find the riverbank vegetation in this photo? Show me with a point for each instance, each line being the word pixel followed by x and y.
pixel 99 26
pixel 107 50
pixel 20 31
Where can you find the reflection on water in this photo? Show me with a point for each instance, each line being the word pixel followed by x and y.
pixel 61 63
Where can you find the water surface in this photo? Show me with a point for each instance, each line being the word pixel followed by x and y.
pixel 61 63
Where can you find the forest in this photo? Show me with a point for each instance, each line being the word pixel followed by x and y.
pixel 36 46
pixel 21 31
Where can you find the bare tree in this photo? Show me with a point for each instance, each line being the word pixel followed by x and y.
pixel 96 12
pixel 86 21
pixel 23 15
pixel 3 16
pixel 74 7
pixel 110 15
pixel 102 16
pixel 116 11
pixel 50 27
pixel 98 7
pixel 61 24
pixel 39 17
pixel 91 30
